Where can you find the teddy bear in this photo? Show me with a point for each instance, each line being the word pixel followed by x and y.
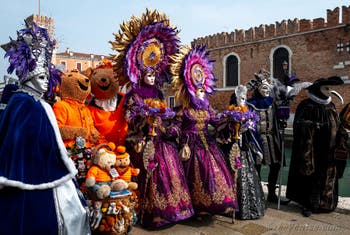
pixel 73 117
pixel 102 177
pixel 107 101
pixel 125 171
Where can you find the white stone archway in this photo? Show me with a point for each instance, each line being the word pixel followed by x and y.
pixel 224 68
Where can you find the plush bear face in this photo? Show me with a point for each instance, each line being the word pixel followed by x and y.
pixel 123 162
pixel 105 159
pixel 104 84
pixel 75 86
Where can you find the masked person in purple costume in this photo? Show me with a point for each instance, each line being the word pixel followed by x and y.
pixel 37 191
pixel 211 185
pixel 143 62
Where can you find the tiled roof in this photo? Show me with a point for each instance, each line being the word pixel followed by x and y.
pixel 80 55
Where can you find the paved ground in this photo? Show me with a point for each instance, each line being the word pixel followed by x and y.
pixel 286 221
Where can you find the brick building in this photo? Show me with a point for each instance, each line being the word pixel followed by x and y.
pixel 312 48
pixel 76 60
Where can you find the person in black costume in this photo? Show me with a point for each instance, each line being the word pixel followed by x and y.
pixel 315 168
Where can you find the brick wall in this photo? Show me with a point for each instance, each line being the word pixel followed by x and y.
pixel 312 43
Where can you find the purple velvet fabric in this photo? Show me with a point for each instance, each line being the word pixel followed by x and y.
pixel 209 180
pixel 164 195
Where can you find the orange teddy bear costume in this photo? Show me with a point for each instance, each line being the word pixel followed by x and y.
pixel 73 117
pixel 105 122
pixel 107 104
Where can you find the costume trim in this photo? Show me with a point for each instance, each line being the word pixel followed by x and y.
pixel 319 100
pixel 63 153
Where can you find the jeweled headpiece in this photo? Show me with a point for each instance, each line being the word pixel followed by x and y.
pixel 30 55
pixel 192 70
pixel 262 77
pixel 144 43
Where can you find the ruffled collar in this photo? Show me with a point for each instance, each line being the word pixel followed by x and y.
pixel 319 100
pixel 107 105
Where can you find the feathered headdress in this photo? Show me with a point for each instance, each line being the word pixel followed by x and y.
pixel 30 55
pixel 144 43
pixel 192 69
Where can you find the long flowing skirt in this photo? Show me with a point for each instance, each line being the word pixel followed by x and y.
pixel 250 193
pixel 211 186
pixel 164 195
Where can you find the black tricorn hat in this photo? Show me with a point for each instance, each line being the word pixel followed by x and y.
pixel 331 81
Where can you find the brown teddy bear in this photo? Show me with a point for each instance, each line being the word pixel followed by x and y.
pixel 73 117
pixel 106 105
pixel 125 171
pixel 101 177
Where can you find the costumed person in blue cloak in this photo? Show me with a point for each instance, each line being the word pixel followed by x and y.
pixel 316 164
pixel 267 132
pixel 37 192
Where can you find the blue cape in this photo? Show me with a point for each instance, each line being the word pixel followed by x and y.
pixel 28 148
pixel 29 156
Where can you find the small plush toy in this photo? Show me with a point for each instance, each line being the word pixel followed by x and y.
pixel 124 169
pixel 96 215
pixel 106 105
pixel 101 177
pixel 73 117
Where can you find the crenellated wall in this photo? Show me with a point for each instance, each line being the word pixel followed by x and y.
pixel 312 45
pixel 283 28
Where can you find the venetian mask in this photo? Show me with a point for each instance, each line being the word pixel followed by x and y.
pixel 241 95
pixel 200 93
pixel 150 78
pixel 264 89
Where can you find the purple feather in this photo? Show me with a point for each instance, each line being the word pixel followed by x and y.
pixel 167 36
pixel 23 58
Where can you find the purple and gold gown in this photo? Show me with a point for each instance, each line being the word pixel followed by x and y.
pixel 164 195
pixel 210 183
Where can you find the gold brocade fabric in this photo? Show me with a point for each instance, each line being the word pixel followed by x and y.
pixel 200 116
pixel 200 194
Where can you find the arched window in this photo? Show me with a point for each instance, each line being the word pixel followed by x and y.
pixel 281 63
pixel 231 65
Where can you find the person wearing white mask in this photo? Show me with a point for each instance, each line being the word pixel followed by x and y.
pixel 267 132
pixel 315 166
pixel 37 188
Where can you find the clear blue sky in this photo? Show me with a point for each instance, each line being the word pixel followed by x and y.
pixel 87 25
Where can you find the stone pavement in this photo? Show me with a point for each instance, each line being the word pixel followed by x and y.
pixel 287 221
